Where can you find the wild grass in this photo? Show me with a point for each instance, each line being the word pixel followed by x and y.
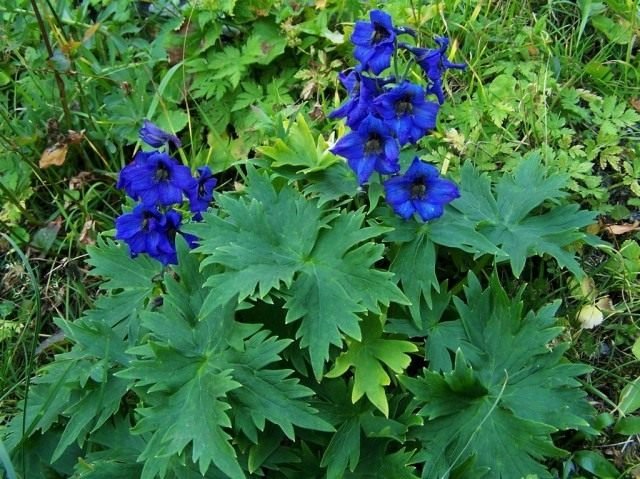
pixel 106 69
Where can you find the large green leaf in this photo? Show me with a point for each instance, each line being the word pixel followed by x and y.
pixel 279 240
pixel 498 407
pixel 300 150
pixel 507 218
pixel 367 358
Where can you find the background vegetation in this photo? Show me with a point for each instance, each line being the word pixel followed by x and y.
pixel 252 81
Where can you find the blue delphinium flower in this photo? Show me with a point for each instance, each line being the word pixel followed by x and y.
pixel 370 147
pixel 374 41
pixel 156 178
pixel 434 63
pixel 201 195
pixel 154 136
pixel 147 230
pixel 362 91
pixel 420 190
pixel 407 112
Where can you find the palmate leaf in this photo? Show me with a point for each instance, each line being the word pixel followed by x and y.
pixel 300 149
pixel 495 411
pixel 201 373
pixel 280 240
pixel 414 260
pixel 367 358
pixel 506 217
pixel 79 387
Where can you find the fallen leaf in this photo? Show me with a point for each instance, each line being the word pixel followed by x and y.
pixel 623 228
pixel 588 288
pixel 606 305
pixel 635 103
pixel 590 316
pixel 74 137
pixel 54 155
pixel 44 238
pixel 81 179
pixel 87 233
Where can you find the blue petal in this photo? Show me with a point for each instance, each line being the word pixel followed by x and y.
pixel 362 33
pixel 443 191
pixel 397 190
pixel 428 211
pixel 349 146
pixel 404 209
pixel 381 59
pixel 421 168
pixel 382 18
pixel 363 167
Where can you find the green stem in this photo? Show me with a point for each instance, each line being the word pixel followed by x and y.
pixel 58 78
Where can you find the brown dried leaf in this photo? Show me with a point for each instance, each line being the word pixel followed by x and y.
pixel 605 305
pixel 74 137
pixel 623 228
pixel 91 31
pixel 635 103
pixel 54 155
pixel 87 233
pixel 81 179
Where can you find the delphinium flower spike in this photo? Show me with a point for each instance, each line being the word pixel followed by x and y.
pixel 434 62
pixel 147 230
pixel 369 148
pixel 420 190
pixel 201 194
pixel 156 178
pixel 159 182
pixel 154 136
pixel 405 109
pixel 375 42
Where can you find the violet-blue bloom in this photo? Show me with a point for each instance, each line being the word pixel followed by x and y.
pixel 434 63
pixel 370 148
pixel 407 112
pixel 420 190
pixel 201 195
pixel 156 178
pixel 362 91
pixel 155 136
pixel 147 230
pixel 374 41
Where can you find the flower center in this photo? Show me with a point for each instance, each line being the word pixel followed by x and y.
pixel 162 173
pixel 373 144
pixel 418 189
pixel 404 106
pixel 146 216
pixel 380 33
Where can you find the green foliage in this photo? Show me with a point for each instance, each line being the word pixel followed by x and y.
pixel 507 216
pixel 494 411
pixel 367 357
pixel 278 240
pixel 216 368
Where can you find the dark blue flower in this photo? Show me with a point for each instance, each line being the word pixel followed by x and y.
pixel 154 136
pixel 362 91
pixel 434 63
pixel 420 190
pixel 407 112
pixel 370 147
pixel 147 230
pixel 156 178
pixel 374 41
pixel 201 195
